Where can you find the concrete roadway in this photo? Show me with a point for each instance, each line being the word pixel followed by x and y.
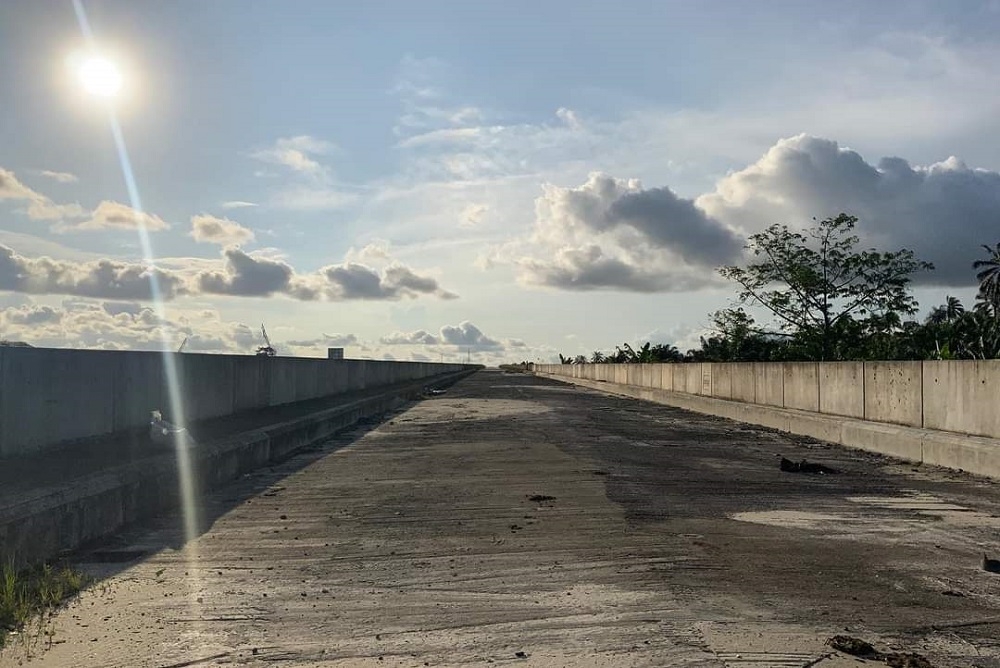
pixel 655 537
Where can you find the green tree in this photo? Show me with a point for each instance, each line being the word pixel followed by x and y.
pixel 989 276
pixel 815 283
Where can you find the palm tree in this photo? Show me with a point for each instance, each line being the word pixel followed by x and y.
pixel 597 357
pixel 953 308
pixel 989 276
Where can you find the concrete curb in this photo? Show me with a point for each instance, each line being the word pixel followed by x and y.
pixel 973 454
pixel 97 506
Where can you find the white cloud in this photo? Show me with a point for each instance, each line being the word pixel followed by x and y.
pixel 238 204
pixel 415 338
pixel 110 215
pixel 211 229
pixel 465 335
pixel 297 154
pixel 83 323
pixel 60 177
pixel 614 234
pixel 944 211
pixel 11 188
pixel 473 215
pixel 327 340
pixel 39 207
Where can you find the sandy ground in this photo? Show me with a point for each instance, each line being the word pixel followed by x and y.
pixel 667 539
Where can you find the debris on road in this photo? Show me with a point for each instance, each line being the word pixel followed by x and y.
pixel 538 498
pixel 806 466
pixel 852 646
pixel 433 391
pixel 864 650
pixel 906 660
pixel 991 565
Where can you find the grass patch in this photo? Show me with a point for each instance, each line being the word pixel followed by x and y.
pixel 35 590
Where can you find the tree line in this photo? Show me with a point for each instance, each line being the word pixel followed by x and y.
pixel 828 300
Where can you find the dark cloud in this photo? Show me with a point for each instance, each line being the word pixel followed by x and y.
pixel 664 219
pixel 468 335
pixel 247 276
pixel 358 281
pixel 588 268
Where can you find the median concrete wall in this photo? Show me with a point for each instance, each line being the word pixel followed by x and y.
pixel 941 412
pixel 43 521
pixel 49 396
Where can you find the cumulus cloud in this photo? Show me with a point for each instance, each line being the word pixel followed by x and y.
pixel 246 275
pixel 615 234
pixel 32 315
pixel 61 177
pixel 210 229
pixel 84 323
pixel 464 335
pixel 254 275
pixel 39 207
pixel 417 338
pixel 467 334
pixel 11 188
pixel 99 278
pixel 110 215
pixel 242 274
pixel 943 212
pixel 327 340
pixel 358 281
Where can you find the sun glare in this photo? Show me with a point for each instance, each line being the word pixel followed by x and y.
pixel 99 76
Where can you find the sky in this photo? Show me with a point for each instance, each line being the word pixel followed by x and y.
pixel 500 181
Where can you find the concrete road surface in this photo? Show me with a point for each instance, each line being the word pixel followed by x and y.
pixel 519 521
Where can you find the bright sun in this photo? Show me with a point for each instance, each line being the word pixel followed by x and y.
pixel 100 76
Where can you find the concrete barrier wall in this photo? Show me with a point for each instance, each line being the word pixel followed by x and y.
pixel 801 385
pixel 48 396
pixel 952 396
pixel 962 396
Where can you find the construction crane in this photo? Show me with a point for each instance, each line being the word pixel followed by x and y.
pixel 266 350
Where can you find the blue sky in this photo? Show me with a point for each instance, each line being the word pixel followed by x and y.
pixel 520 178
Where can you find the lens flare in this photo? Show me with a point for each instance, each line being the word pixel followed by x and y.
pixel 102 78
pixel 99 76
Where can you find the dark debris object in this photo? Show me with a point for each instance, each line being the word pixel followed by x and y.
pixel 805 466
pixel 538 498
pixel 852 646
pixel 860 648
pixel 906 660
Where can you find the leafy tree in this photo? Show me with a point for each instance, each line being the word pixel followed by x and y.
pixel 815 283
pixel 989 276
